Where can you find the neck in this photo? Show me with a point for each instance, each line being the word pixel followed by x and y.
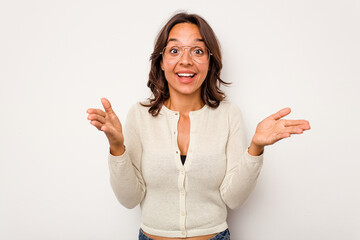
pixel 184 104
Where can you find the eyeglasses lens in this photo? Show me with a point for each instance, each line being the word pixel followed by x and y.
pixel 172 54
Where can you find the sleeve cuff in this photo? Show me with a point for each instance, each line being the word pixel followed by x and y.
pixel 252 158
pixel 120 158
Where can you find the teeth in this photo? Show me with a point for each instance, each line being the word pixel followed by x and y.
pixel 185 74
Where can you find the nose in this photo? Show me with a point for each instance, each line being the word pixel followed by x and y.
pixel 185 57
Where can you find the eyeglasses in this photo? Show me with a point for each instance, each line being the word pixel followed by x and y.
pixel 172 54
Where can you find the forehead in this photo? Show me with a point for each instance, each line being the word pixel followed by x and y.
pixel 185 33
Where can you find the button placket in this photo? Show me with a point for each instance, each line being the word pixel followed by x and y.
pixel 182 196
pixel 175 133
pixel 181 179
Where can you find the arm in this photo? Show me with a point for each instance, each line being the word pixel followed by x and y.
pixel 125 173
pixel 255 150
pixel 243 169
pixel 125 170
pixel 241 174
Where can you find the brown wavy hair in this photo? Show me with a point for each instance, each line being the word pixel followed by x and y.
pixel 210 89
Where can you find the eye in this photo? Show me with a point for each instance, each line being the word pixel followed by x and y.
pixel 174 50
pixel 198 51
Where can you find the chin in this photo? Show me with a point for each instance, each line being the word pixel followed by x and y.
pixel 188 91
pixel 185 89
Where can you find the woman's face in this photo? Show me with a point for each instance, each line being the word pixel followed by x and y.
pixel 185 76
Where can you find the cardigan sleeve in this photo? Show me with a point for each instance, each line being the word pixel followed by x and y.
pixel 125 170
pixel 242 168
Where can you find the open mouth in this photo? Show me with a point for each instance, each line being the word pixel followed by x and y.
pixel 186 75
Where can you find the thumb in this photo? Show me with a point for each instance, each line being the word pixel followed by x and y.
pixel 107 106
pixel 282 113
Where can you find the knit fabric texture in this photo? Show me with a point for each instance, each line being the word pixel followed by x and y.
pixel 187 200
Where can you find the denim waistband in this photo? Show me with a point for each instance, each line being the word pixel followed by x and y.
pixel 225 235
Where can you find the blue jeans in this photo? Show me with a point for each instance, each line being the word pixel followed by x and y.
pixel 225 235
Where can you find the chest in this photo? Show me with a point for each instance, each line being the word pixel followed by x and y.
pixel 164 140
pixel 183 137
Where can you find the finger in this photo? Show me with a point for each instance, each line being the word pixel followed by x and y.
pixel 283 135
pixel 293 130
pixel 107 129
pixel 96 111
pixel 110 131
pixel 280 136
pixel 303 125
pixel 97 124
pixel 97 118
pixel 289 123
pixel 107 106
pixel 282 113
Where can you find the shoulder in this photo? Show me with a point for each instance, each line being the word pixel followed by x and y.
pixel 229 112
pixel 137 111
pixel 228 108
pixel 139 107
pixel 136 117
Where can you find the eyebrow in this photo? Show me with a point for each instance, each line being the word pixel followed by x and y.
pixel 175 40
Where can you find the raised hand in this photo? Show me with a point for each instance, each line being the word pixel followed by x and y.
pixel 110 124
pixel 273 128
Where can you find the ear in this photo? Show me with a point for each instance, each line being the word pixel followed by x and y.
pixel 162 65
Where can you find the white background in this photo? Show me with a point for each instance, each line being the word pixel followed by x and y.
pixel 58 58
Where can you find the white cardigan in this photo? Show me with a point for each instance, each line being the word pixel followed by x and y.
pixel 184 200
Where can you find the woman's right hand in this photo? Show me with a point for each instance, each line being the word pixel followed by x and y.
pixel 110 124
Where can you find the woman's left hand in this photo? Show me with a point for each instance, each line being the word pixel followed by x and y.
pixel 273 128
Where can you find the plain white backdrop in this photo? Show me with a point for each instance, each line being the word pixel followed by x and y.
pixel 58 58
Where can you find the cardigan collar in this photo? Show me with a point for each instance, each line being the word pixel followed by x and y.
pixel 171 112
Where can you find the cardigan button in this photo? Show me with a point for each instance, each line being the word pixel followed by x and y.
pixel 184 233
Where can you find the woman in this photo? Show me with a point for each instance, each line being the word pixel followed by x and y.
pixel 185 158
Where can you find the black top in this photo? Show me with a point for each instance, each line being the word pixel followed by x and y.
pixel 183 158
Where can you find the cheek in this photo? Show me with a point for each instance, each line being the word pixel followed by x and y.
pixel 168 74
pixel 166 67
pixel 168 70
pixel 205 71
